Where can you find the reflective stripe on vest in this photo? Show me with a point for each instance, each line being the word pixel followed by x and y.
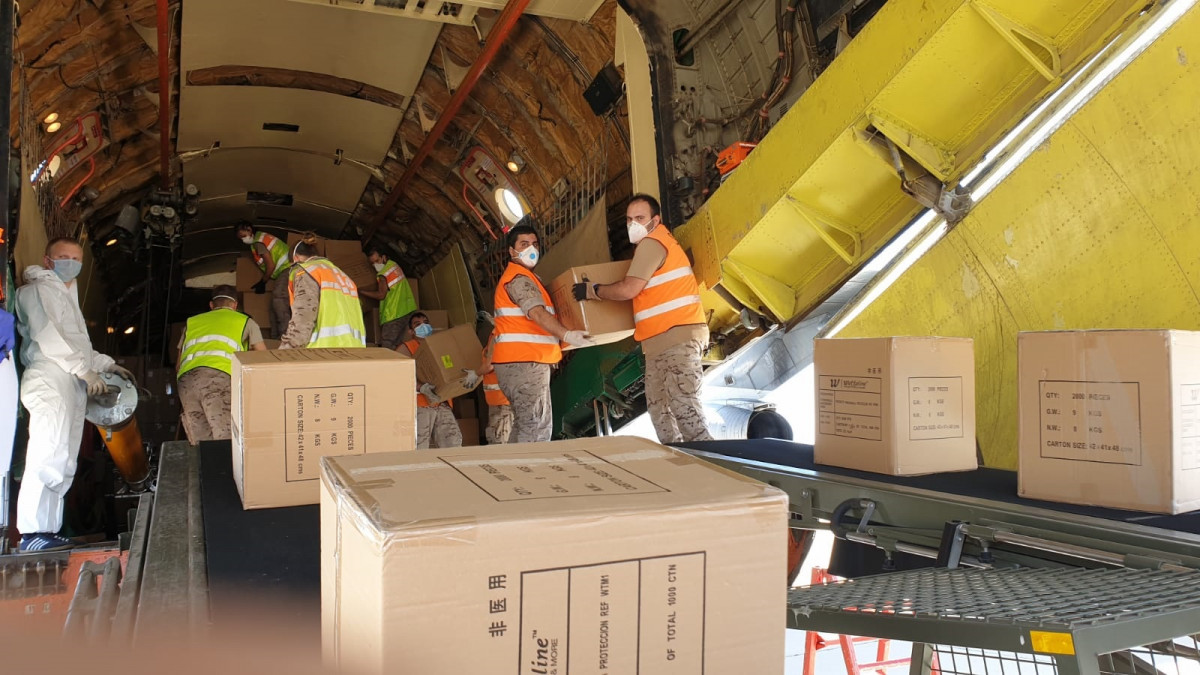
pixel 211 339
pixel 520 339
pixel 671 296
pixel 339 313
pixel 399 300
pixel 275 248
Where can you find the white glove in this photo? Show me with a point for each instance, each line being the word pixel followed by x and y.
pixel 430 393
pixel 577 338
pixel 122 372
pixel 95 385
pixel 471 379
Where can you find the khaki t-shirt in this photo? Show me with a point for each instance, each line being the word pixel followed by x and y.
pixel 650 255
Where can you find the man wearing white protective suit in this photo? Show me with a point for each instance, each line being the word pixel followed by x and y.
pixel 61 371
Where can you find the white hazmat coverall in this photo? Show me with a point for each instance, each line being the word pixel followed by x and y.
pixel 57 353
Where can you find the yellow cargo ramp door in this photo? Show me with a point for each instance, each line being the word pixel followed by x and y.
pixel 1096 229
pixel 932 83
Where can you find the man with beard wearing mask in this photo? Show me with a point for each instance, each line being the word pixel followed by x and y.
pixel 435 420
pixel 61 372
pixel 668 320
pixel 396 299
pixel 527 338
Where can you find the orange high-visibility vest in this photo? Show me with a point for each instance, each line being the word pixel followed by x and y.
pixel 422 401
pixel 671 297
pixel 519 338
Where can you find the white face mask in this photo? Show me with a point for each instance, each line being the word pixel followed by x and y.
pixel 528 257
pixel 637 231
pixel 248 239
pixel 378 266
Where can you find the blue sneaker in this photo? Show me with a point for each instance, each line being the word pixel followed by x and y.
pixel 40 542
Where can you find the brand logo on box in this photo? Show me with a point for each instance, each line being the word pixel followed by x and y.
pixel 843 383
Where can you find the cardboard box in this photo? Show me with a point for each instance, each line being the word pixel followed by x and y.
pixel 444 355
pixel 349 257
pixel 371 323
pixel 294 238
pixel 1110 418
pixel 465 408
pixel 258 307
pixel 477 560
pixel 896 405
pixel 293 406
pixel 438 318
pixel 470 430
pixel 605 321
pixel 247 273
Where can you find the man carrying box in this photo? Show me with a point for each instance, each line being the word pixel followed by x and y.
pixel 395 296
pixel 527 338
pixel 206 364
pixel 669 322
pixel 435 419
pixel 271 256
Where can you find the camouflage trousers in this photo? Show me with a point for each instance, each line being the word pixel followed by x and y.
pixel 527 388
pixel 437 423
pixel 281 307
pixel 500 424
pixel 673 394
pixel 205 396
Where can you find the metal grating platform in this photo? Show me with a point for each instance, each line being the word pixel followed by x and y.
pixel 1068 612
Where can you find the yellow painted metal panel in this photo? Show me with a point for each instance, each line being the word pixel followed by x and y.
pixel 1095 230
pixel 942 79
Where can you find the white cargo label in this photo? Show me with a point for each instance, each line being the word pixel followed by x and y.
pixel 935 408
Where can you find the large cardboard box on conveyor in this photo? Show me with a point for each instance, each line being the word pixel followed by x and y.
pixel 1110 418
pixel 293 406
pixel 586 556
pixel 606 321
pixel 896 405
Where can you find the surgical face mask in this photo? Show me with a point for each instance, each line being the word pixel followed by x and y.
pixel 247 239
pixel 67 269
pixel 528 257
pixel 378 266
pixel 424 330
pixel 637 231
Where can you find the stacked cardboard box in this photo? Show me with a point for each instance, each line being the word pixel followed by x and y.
pixel 247 275
pixel 349 258
pixel 896 405
pixel 598 535
pixel 293 406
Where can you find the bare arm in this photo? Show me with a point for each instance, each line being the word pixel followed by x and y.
pixel 547 321
pixel 268 261
pixel 624 289
pixel 379 293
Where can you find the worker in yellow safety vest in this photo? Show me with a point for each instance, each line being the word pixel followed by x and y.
pixel 271 255
pixel 325 307
pixel 435 418
pixel 668 320
pixel 527 337
pixel 395 296
pixel 206 364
